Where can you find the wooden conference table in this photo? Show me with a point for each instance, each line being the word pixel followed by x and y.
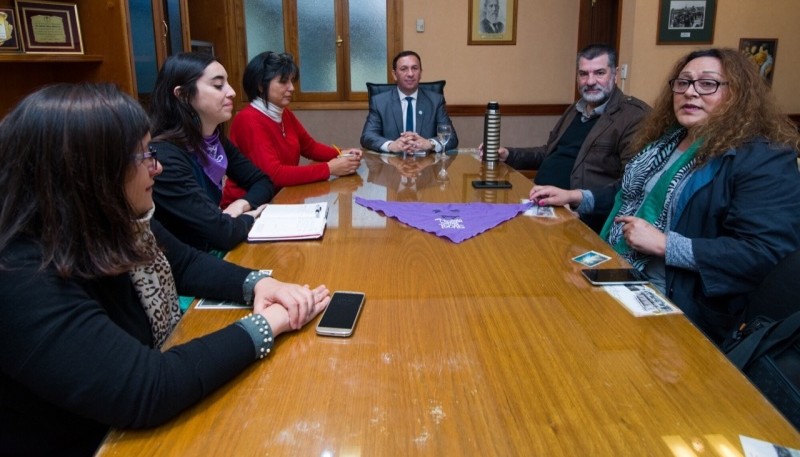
pixel 495 346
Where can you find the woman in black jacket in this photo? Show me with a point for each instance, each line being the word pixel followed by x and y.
pixel 88 284
pixel 191 99
pixel 711 202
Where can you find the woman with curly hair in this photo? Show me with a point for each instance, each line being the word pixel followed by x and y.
pixel 712 201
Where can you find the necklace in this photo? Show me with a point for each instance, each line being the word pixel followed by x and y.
pixel 283 131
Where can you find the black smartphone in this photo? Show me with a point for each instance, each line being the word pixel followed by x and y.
pixel 611 276
pixel 339 318
pixel 491 184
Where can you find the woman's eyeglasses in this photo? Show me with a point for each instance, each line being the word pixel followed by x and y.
pixel 701 86
pixel 150 157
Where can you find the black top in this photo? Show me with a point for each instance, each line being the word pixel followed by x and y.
pixel 187 202
pixel 556 168
pixel 76 356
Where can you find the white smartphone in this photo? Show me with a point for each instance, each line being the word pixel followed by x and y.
pixel 613 276
pixel 339 318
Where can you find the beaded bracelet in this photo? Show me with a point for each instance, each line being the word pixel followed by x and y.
pixel 249 285
pixel 259 330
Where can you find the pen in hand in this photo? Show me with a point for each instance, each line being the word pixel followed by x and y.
pixel 340 152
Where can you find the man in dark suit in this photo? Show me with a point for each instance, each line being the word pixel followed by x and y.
pixel 491 22
pixel 405 120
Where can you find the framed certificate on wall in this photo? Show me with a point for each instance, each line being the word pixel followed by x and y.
pixel 48 27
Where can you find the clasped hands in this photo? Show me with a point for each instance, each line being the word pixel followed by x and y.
pixel 410 142
pixel 411 168
pixel 638 233
pixel 288 306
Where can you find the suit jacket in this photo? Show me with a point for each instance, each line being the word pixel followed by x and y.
pixel 385 119
pixel 604 153
pixel 488 27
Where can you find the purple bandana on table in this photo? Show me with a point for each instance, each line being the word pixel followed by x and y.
pixel 217 161
pixel 456 221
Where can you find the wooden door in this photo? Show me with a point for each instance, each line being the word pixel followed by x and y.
pixel 599 22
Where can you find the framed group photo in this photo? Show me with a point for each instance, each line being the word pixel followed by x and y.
pixel 492 22
pixel 49 27
pixel 762 52
pixel 205 47
pixel 686 21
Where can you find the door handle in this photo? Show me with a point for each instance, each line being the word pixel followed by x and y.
pixel 339 41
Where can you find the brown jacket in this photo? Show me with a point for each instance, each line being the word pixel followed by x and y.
pixel 604 153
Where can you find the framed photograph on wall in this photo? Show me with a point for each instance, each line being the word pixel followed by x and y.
pixel 206 47
pixel 686 21
pixel 492 22
pixel 9 31
pixel 762 52
pixel 49 28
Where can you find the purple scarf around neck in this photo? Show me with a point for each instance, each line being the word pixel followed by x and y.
pixel 216 161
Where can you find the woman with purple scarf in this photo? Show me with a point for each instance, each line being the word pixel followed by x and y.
pixel 191 99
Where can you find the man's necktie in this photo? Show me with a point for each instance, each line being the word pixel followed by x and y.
pixel 409 114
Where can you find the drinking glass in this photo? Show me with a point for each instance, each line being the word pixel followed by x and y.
pixel 442 176
pixel 443 131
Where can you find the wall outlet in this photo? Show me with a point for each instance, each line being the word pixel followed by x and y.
pixel 623 71
pixel 420 25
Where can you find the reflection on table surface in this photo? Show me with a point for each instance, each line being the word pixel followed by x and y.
pixel 494 346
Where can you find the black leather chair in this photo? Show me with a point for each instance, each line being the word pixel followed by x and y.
pixel 776 296
pixel 772 360
pixel 377 88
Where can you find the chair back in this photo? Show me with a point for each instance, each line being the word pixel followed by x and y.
pixel 376 88
pixel 776 296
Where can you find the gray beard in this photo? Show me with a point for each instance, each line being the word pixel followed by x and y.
pixel 596 100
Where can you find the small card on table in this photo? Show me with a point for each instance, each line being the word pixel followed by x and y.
pixel 591 258
pixel 538 211
pixel 642 300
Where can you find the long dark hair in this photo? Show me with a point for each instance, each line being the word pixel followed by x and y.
pixel 66 154
pixel 173 118
pixel 263 68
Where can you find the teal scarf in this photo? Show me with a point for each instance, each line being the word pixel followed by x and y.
pixel 653 207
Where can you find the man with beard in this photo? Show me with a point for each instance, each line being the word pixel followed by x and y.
pixel 491 22
pixel 588 147
pixel 405 120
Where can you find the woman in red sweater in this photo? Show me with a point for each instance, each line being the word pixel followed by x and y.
pixel 270 135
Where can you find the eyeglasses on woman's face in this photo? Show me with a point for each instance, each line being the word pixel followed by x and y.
pixel 150 157
pixel 701 86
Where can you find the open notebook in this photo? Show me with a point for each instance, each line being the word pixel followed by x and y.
pixel 290 222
